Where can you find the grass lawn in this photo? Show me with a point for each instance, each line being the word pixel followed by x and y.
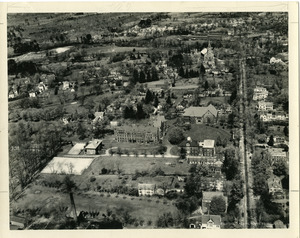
pixel 219 100
pixel 130 164
pixel 201 132
pixel 139 207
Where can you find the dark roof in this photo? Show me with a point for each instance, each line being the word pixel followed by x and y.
pixel 136 128
pixel 215 218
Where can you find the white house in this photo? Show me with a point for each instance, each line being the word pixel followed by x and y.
pixel 260 93
pixel 265 106
pixel 146 189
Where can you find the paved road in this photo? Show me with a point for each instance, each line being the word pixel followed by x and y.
pixel 249 201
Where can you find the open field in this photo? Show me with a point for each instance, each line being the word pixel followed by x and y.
pixel 65 165
pixel 202 132
pixel 219 100
pixel 130 164
pixel 50 199
pixel 114 49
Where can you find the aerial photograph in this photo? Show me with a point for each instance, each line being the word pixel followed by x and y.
pixel 148 120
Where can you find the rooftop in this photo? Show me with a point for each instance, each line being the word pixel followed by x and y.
pixel 93 144
pixel 200 111
pixel 146 186
pixel 215 218
pixel 277 152
pixel 136 128
pixel 208 144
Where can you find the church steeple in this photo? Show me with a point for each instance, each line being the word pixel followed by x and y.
pixel 209 45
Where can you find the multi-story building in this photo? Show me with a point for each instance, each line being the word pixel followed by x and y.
pixel 275 187
pixel 265 106
pixel 260 93
pixel 137 134
pixel 278 154
pixel 204 148
pixel 278 116
pixel 146 189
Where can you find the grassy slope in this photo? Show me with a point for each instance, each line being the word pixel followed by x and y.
pixel 49 198
pixel 201 132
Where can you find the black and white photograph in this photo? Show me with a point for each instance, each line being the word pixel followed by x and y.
pixel 149 120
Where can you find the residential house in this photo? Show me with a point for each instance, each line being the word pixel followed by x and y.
pixel 11 95
pixel 32 94
pixel 137 134
pixel 99 116
pixel 211 222
pixel 275 187
pixel 264 106
pixel 200 115
pixel 66 85
pixel 42 87
pixel 278 154
pixel 94 147
pixel 65 120
pixel 275 116
pixel 205 222
pixel 146 189
pixel 207 197
pixel 260 93
pixel 279 139
pixel 114 123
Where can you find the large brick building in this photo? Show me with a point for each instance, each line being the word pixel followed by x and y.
pixel 195 148
pixel 137 134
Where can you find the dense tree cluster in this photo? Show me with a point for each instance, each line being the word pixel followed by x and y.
pixel 24 68
pixel 175 135
pixel 231 164
pixel 30 151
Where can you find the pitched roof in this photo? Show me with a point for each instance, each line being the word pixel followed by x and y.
pixel 205 218
pixel 274 182
pixel 146 186
pixel 215 218
pixel 200 111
